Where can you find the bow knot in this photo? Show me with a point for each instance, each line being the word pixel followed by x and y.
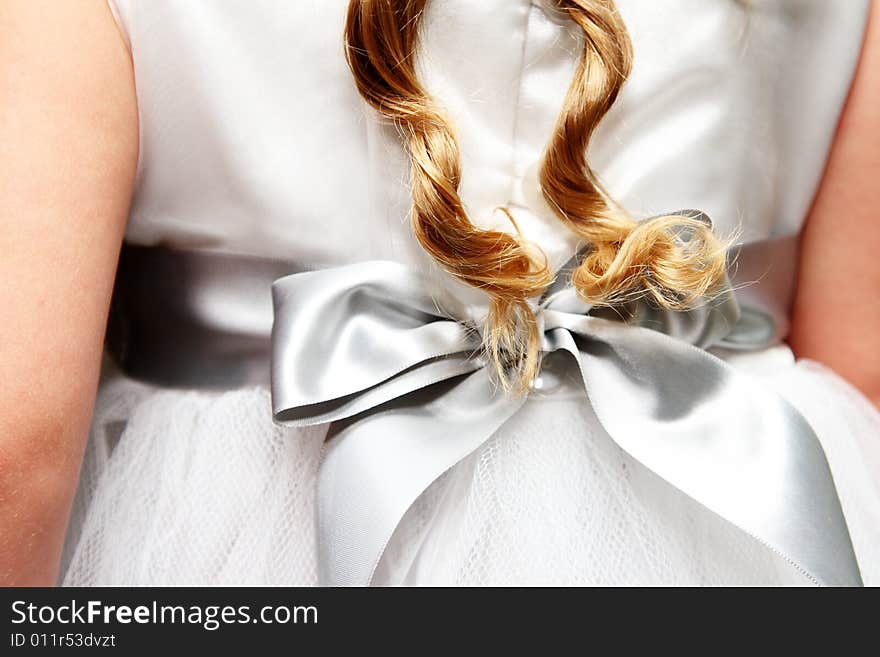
pixel 368 348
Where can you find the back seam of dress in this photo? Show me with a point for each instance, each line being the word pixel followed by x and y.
pixel 514 141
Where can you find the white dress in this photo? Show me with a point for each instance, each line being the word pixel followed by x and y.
pixel 254 141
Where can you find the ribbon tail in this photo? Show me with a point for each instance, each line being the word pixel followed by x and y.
pixel 716 434
pixel 377 464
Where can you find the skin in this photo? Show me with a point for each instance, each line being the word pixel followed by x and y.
pixel 836 314
pixel 68 154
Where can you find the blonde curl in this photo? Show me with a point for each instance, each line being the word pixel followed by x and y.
pixel 673 261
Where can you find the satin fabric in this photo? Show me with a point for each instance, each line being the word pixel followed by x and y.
pixel 400 374
pixel 367 347
pixel 255 141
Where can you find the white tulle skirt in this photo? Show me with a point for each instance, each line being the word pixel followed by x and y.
pixel 190 487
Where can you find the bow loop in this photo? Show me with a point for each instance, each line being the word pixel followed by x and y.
pixel 347 339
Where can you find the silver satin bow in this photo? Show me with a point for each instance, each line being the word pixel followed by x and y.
pixel 368 348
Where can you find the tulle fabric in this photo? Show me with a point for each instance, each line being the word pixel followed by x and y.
pixel 849 427
pixel 186 487
pixel 192 488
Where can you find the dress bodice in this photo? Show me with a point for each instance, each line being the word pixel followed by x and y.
pixel 254 139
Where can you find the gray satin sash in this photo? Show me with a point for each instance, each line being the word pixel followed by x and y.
pixel 368 348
